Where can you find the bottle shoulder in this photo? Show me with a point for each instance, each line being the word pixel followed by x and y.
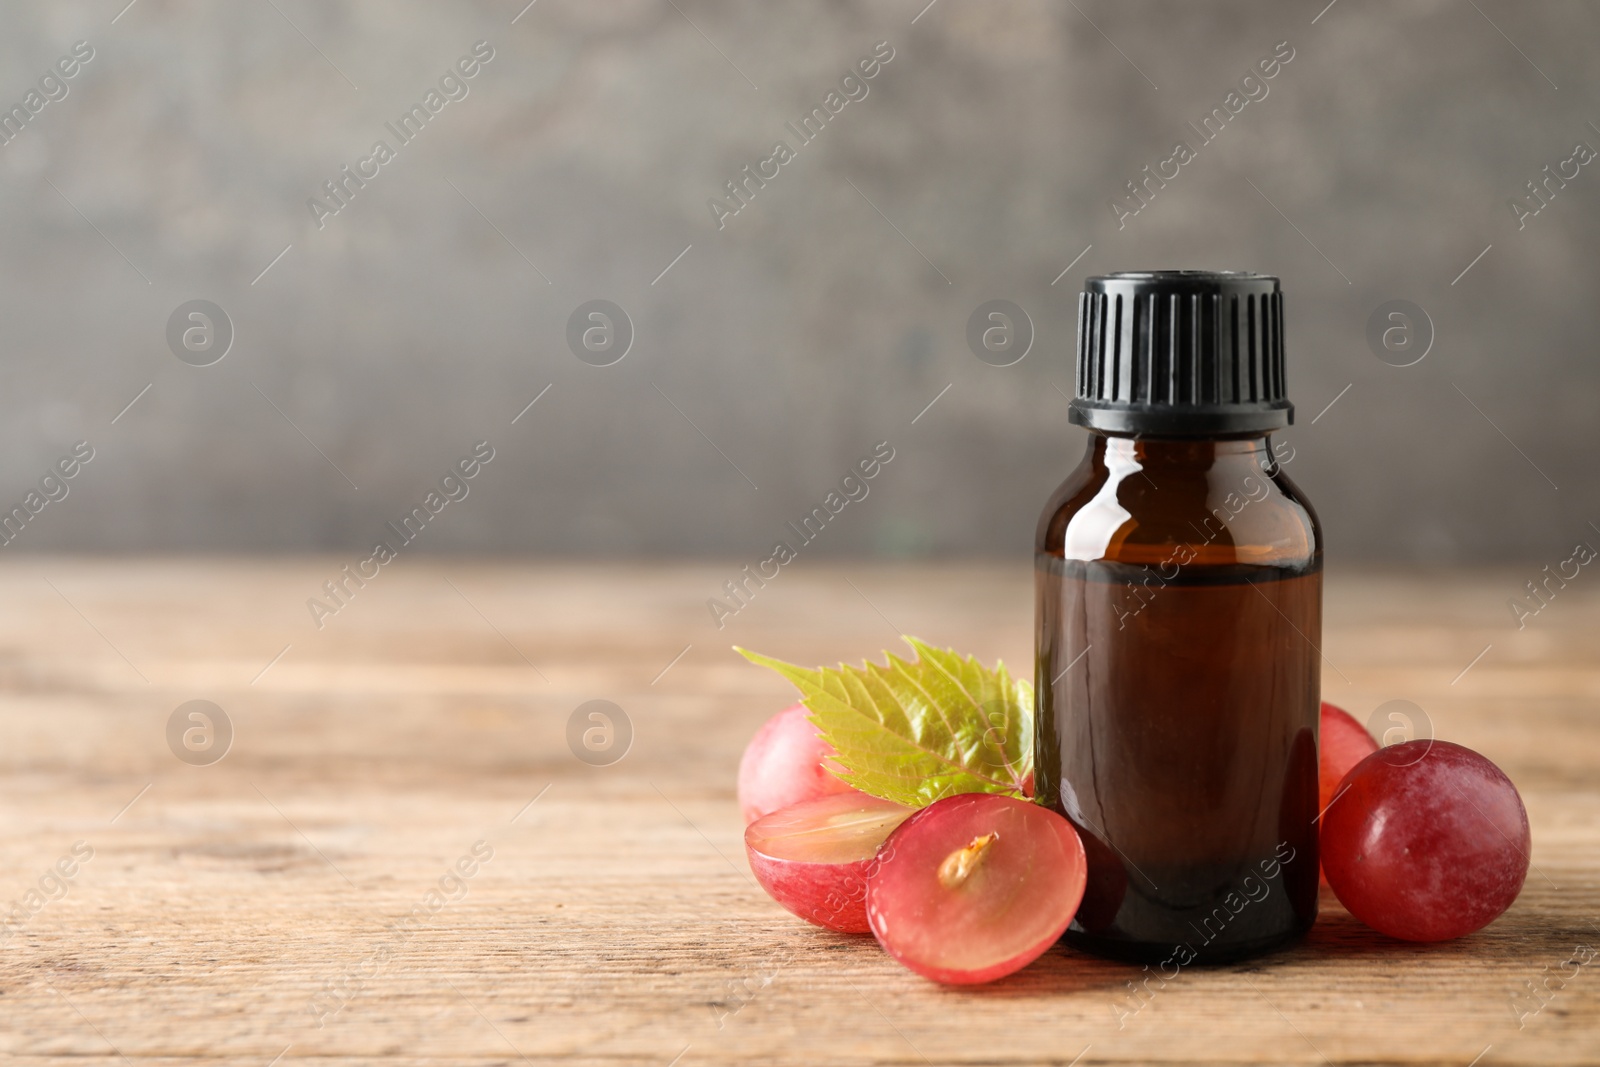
pixel 1241 509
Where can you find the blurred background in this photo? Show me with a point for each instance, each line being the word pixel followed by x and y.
pixel 747 361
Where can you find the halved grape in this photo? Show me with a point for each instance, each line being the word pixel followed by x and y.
pixel 976 886
pixel 1429 841
pixel 814 857
pixel 785 763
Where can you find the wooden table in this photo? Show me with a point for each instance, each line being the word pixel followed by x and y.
pixel 248 909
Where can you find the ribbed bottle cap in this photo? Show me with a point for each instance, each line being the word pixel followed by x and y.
pixel 1181 353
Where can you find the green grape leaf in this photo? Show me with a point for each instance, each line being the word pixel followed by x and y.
pixel 915 731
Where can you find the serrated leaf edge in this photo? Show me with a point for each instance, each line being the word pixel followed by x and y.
pixel 814 682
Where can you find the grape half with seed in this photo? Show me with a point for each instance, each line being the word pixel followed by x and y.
pixel 974 887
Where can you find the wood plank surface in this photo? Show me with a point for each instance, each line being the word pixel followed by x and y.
pixel 276 903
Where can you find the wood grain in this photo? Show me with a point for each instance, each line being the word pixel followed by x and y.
pixel 616 922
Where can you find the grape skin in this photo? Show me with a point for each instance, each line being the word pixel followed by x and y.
pixel 1426 841
pixel 1344 743
pixel 786 762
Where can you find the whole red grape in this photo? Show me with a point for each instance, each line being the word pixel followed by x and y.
pixel 1428 841
pixel 786 762
pixel 1345 743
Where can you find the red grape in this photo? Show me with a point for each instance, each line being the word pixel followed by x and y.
pixel 976 886
pixel 785 764
pixel 814 857
pixel 1344 744
pixel 1428 841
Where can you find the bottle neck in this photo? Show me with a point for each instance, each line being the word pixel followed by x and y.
pixel 1181 455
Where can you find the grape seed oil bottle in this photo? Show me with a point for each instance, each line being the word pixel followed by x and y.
pixel 1179 617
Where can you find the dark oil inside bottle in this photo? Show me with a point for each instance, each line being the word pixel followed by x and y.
pixel 1177 680
pixel 1178 713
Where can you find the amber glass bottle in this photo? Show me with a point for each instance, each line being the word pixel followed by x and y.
pixel 1179 610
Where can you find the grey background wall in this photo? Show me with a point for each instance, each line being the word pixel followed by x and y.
pixel 825 316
